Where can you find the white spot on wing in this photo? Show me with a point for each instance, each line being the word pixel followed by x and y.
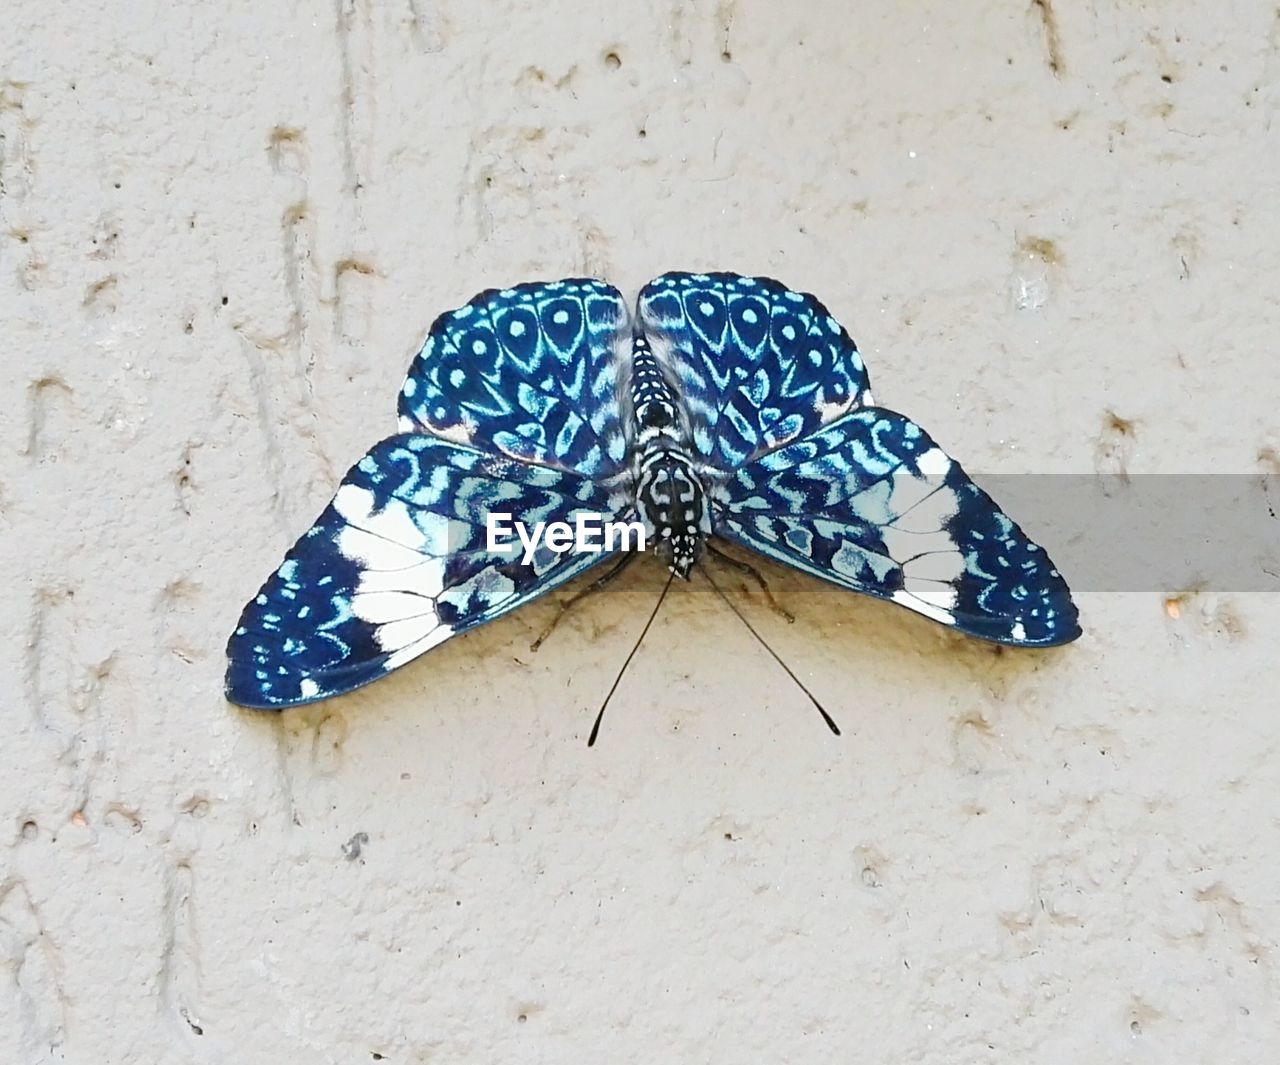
pixel 830 411
pixel 374 553
pixel 437 636
pixel 921 606
pixel 928 591
pixel 382 608
pixel 392 522
pixel 935 566
pixel 1018 632
pixel 399 635
pixel 424 578
pixel 929 515
pixel 903 544
pixel 905 491
pixel 461 433
pixel 934 463
pixel 308 688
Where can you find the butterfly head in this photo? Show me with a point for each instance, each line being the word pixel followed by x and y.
pixel 672 504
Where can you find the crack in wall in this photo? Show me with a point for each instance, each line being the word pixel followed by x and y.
pixel 36 981
pixel 179 975
pixel 303 287
pixel 1052 36
pixel 355 115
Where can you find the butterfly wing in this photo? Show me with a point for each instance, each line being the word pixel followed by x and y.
pixel 510 406
pixel 871 503
pixel 397 564
pixel 756 364
pixel 529 372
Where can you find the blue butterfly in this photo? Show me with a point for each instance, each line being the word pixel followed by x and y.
pixel 729 406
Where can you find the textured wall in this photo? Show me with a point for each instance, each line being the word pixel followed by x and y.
pixel 223 231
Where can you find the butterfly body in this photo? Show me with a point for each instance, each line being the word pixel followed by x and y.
pixel 726 405
pixel 671 501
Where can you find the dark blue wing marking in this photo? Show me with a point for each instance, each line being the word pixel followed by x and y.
pixel 871 503
pixel 529 372
pixel 398 563
pixel 757 364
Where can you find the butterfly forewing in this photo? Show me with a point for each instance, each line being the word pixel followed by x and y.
pixel 398 563
pixel 872 504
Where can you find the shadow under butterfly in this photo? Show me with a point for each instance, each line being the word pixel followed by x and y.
pixel 728 407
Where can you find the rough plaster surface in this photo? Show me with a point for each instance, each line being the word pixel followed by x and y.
pixel 224 230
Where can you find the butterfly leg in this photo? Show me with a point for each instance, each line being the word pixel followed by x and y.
pixel 591 588
pixel 754 574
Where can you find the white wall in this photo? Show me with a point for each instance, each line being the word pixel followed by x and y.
pixel 225 228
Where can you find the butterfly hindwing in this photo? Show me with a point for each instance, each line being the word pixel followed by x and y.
pixel 528 372
pixel 872 504
pixel 398 563
pixel 757 364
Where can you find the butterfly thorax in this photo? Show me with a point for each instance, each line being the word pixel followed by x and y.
pixel 670 499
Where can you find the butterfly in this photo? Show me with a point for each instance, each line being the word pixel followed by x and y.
pixel 727 406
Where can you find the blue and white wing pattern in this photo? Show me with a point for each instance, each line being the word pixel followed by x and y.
pixel 801 467
pixel 397 564
pixel 755 364
pixel 511 407
pixel 872 504
pixel 530 372
pixel 731 406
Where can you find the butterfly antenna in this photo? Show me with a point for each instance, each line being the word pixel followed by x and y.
pixel 595 729
pixel 751 628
